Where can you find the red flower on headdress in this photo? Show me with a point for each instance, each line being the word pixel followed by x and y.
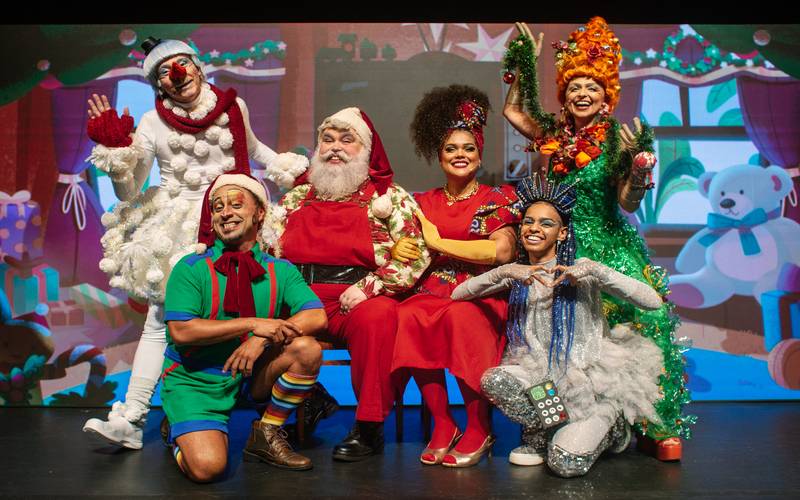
pixel 593 52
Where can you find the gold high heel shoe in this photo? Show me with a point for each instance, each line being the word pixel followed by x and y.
pixel 439 453
pixel 470 459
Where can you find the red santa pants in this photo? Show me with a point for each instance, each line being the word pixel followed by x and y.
pixel 369 332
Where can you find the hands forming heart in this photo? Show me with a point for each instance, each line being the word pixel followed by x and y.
pixel 567 273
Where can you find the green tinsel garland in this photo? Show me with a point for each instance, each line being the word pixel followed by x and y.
pixel 520 55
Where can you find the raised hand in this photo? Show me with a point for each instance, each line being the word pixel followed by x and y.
pixel 525 31
pixel 627 137
pixel 105 126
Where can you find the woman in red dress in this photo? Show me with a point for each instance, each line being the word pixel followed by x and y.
pixel 470 226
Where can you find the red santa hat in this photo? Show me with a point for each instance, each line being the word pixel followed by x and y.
pixel 206 236
pixel 380 170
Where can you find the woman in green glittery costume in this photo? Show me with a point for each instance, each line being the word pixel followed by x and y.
pixel 610 166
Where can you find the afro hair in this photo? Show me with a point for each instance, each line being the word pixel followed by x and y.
pixel 436 113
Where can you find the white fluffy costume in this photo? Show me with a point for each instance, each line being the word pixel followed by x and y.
pixel 607 378
pixel 147 233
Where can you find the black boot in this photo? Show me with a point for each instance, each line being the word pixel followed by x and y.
pixel 318 406
pixel 365 439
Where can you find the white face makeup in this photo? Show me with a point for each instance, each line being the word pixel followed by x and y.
pixel 180 87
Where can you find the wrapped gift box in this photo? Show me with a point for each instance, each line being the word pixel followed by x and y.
pixel 111 310
pixel 65 313
pixel 781 313
pixel 28 282
pixel 20 225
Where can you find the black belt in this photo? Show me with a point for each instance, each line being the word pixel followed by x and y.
pixel 339 275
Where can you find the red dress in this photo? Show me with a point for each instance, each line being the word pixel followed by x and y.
pixel 434 331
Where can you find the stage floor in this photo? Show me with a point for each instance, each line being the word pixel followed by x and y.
pixel 739 450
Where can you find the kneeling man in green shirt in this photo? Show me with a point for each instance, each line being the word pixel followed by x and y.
pixel 225 340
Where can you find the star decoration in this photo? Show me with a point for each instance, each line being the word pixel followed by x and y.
pixel 663 64
pixel 749 63
pixel 253 48
pixel 281 46
pixel 651 54
pixel 249 62
pixel 488 49
pixel 227 62
pixel 687 30
pixel 637 61
pixel 266 50
pixel 214 53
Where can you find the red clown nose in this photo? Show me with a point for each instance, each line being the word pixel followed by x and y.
pixel 177 73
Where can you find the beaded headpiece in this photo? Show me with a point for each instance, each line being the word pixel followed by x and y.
pixel 591 51
pixel 560 195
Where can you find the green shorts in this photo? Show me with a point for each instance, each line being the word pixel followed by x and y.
pixel 197 398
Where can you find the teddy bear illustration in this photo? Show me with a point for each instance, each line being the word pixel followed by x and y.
pixel 746 246
pixel 25 346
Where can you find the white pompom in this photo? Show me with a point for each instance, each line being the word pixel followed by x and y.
pixel 109 219
pixel 201 149
pixel 174 140
pixel 213 172
pixel 222 120
pixel 213 132
pixel 180 206
pixel 192 178
pixel 199 248
pixel 116 282
pixel 161 245
pixel 179 164
pixel 228 164
pixel 154 275
pixel 174 187
pixel 187 142
pixel 108 266
pixel 382 206
pixel 225 139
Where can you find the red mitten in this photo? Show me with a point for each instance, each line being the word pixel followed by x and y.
pixel 111 130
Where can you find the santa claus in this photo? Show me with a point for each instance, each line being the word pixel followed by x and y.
pixel 341 220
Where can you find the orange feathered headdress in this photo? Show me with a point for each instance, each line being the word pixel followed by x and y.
pixel 592 51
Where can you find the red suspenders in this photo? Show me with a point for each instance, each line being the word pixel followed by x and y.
pixel 273 301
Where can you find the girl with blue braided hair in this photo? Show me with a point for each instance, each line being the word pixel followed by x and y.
pixel 606 378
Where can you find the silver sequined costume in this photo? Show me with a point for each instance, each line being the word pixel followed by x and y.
pixel 611 376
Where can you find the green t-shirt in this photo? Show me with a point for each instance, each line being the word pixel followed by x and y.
pixel 189 296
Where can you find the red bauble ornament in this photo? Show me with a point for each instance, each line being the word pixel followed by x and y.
pixel 509 77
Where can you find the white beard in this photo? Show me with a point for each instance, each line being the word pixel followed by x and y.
pixel 337 182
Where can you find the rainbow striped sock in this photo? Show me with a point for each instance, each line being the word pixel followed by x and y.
pixel 176 452
pixel 289 391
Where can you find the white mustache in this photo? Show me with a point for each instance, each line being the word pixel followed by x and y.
pixel 340 154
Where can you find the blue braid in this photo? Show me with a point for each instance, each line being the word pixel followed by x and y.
pixel 564 296
pixel 517 312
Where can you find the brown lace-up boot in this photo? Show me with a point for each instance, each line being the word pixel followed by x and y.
pixel 267 443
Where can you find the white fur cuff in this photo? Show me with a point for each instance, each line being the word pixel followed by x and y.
pixel 118 163
pixel 285 168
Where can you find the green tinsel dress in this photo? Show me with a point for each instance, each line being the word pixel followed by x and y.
pixel 605 236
